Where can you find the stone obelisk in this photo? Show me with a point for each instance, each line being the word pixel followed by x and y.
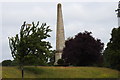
pixel 118 14
pixel 60 37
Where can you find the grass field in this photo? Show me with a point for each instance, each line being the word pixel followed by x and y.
pixel 60 72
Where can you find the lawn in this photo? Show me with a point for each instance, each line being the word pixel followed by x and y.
pixel 60 72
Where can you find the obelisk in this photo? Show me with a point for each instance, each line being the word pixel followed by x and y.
pixel 118 14
pixel 60 37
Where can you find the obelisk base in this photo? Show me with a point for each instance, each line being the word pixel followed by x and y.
pixel 58 56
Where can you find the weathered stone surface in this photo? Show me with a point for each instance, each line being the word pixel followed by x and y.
pixel 118 13
pixel 60 38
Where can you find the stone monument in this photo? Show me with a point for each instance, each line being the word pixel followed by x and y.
pixel 118 14
pixel 60 37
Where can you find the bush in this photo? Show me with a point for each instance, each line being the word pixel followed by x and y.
pixel 14 63
pixel 60 62
pixel 6 63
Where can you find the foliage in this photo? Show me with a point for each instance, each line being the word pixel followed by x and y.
pixel 112 52
pixel 52 59
pixel 29 46
pixel 14 63
pixel 9 63
pixel 6 63
pixel 83 50
pixel 60 62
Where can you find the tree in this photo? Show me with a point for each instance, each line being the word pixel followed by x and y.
pixel 112 51
pixel 52 59
pixel 83 50
pixel 30 42
pixel 6 63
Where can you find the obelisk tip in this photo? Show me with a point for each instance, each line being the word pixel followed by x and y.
pixel 59 4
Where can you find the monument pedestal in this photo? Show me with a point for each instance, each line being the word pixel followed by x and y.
pixel 57 57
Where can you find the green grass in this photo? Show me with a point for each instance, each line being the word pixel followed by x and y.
pixel 60 72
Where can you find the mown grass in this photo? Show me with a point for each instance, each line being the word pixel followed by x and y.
pixel 0 71
pixel 60 72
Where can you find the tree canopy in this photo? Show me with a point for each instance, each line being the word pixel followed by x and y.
pixel 82 50
pixel 112 51
pixel 30 46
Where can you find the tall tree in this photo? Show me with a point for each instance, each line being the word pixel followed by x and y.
pixel 30 42
pixel 83 50
pixel 112 52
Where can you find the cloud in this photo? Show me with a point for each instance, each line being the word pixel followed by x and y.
pixel 59 1
pixel 0 32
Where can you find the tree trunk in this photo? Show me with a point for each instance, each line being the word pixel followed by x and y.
pixel 22 68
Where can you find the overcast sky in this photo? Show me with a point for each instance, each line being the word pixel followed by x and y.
pixel 97 17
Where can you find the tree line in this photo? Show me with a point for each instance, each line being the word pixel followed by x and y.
pixel 30 47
